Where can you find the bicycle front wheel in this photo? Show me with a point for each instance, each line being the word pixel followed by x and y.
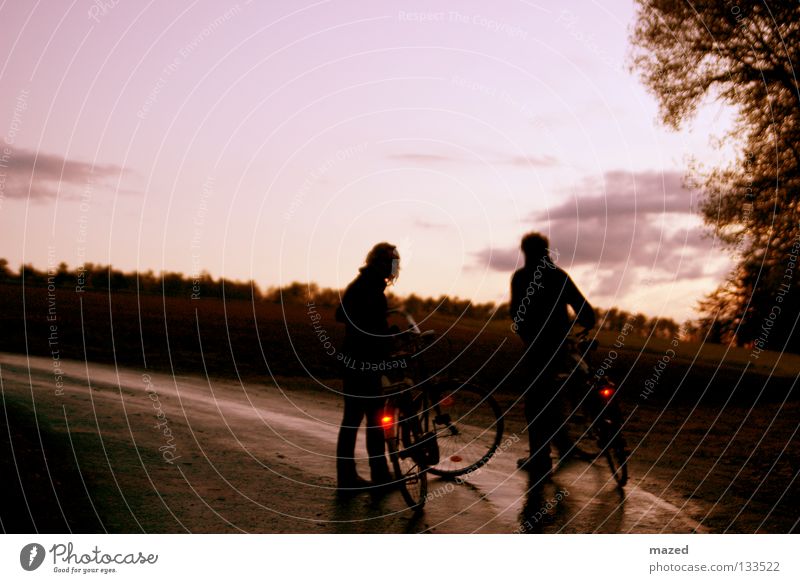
pixel 409 467
pixel 467 424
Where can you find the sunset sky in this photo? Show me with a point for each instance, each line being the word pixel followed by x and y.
pixel 279 140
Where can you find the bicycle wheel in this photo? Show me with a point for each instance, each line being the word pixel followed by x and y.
pixel 613 446
pixel 467 424
pixel 409 469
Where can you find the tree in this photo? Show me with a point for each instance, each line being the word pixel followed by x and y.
pixel 5 272
pixel 62 276
pixel 743 53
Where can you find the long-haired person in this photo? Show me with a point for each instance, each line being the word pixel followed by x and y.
pixel 366 344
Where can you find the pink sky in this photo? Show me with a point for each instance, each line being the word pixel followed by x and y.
pixel 279 140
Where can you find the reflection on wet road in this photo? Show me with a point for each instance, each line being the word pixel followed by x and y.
pixel 260 458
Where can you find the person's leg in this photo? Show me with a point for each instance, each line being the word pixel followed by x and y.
pixel 556 409
pixel 535 415
pixel 538 430
pixel 376 443
pixel 562 440
pixel 345 447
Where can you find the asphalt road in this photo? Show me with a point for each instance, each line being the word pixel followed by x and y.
pixel 126 450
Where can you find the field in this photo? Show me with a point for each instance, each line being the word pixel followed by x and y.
pixel 239 339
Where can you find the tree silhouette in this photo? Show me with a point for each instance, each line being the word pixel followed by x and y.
pixel 744 54
pixel 5 272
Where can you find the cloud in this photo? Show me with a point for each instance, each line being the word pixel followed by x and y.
pixel 426 224
pixel 536 161
pixel 627 227
pixel 424 158
pixel 499 259
pixel 638 219
pixel 40 176
pixel 527 161
pixel 625 194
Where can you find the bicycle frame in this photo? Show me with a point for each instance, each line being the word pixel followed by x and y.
pixel 421 418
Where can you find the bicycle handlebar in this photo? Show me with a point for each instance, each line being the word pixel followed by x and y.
pixel 412 323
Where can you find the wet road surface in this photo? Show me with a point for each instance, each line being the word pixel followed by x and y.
pixel 189 454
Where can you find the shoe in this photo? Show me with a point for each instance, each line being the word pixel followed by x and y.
pixel 352 485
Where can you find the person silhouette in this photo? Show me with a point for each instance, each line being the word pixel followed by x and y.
pixel 366 342
pixel 540 294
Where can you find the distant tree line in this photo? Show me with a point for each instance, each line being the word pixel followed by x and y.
pixel 95 277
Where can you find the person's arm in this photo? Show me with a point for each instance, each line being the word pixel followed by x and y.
pixel 344 313
pixel 516 296
pixel 583 310
pixel 380 318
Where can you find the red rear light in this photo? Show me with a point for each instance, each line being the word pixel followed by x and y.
pixel 387 420
pixel 606 392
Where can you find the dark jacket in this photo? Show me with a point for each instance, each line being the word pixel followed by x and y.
pixel 540 294
pixel 363 312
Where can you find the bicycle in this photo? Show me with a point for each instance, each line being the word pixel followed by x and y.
pixel 438 425
pixel 597 415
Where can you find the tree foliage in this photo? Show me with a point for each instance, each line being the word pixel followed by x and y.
pixel 745 54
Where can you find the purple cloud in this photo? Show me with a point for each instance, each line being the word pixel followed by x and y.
pixel 40 176
pixel 623 224
pixel 628 194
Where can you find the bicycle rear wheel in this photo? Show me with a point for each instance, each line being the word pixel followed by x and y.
pixel 409 467
pixel 615 451
pixel 468 426
pixel 617 456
